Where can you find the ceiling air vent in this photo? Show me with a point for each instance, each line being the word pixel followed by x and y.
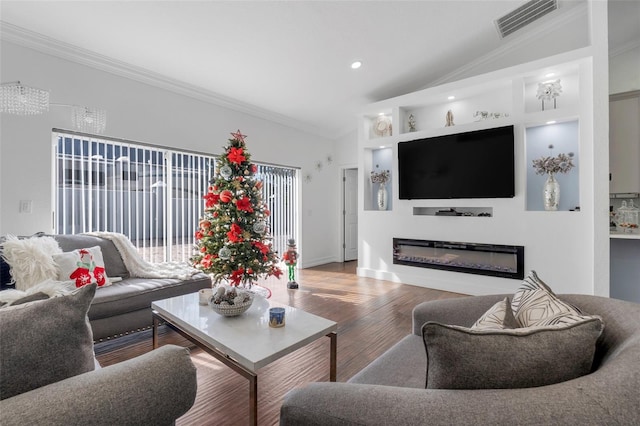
pixel 524 15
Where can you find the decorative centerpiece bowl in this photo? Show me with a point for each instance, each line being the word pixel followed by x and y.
pixel 230 301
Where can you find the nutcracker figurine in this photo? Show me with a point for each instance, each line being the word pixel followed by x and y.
pixel 290 259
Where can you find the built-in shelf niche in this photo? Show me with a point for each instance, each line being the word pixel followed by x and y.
pixel 379 126
pixel 453 211
pixel 569 96
pixel 564 137
pixel 379 159
pixel 467 107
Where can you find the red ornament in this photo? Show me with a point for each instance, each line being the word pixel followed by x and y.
pixel 226 196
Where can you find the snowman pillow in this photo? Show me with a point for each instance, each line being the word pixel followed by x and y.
pixel 82 266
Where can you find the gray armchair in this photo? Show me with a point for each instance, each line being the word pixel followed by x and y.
pixel 152 389
pixel 48 373
pixel 391 390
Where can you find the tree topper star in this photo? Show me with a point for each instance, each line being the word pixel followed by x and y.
pixel 239 136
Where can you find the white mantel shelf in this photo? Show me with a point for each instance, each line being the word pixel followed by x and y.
pixel 624 236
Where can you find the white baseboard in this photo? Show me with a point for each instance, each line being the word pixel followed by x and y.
pixel 310 263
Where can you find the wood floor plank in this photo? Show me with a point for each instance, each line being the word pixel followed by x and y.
pixel 372 315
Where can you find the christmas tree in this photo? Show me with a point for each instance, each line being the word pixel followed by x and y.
pixel 233 236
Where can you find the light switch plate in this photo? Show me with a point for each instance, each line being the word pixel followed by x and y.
pixel 26 206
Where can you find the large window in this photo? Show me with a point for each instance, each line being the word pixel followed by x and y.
pixel 151 194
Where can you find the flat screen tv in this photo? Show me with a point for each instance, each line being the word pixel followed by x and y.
pixel 478 164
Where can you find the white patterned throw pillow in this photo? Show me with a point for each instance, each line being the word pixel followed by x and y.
pixel 30 259
pixel 499 316
pixel 535 304
pixel 82 266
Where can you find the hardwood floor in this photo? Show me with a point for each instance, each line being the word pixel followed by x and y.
pixel 372 315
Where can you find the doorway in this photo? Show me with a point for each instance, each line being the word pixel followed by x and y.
pixel 350 214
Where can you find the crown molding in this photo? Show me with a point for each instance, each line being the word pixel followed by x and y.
pixel 32 40
pixel 512 45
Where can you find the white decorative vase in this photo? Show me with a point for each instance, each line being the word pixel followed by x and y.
pixel 551 193
pixel 382 197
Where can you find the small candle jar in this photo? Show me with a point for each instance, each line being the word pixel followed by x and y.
pixel 204 295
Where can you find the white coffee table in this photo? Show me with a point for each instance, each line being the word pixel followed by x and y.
pixel 244 343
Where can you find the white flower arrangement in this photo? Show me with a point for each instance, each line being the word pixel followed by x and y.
pixel 562 163
pixel 549 90
pixel 380 177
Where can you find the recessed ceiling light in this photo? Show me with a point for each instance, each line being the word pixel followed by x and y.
pixel 382 147
pixel 551 74
pixel 381 114
pixel 451 97
pixel 551 122
pixel 356 64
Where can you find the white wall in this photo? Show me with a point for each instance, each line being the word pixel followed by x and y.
pixel 624 70
pixel 149 114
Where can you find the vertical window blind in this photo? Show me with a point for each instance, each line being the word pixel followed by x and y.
pixel 151 194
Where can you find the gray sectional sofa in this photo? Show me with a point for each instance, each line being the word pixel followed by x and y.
pixel 391 390
pixel 125 306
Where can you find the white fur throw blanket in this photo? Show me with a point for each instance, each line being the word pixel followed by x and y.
pixel 31 259
pixel 140 268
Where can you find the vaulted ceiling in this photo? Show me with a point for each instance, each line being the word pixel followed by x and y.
pixel 290 60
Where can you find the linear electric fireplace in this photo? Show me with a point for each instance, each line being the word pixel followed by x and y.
pixel 472 258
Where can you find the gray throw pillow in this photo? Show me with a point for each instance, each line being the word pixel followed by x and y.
pixel 45 342
pixel 463 358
